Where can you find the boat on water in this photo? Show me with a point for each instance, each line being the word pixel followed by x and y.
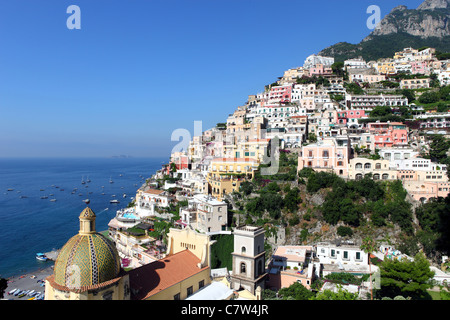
pixel 82 180
pixel 88 180
pixel 44 197
pixel 52 200
pixel 114 201
pixel 86 201
pixel 10 189
pixel 23 197
pixel 124 195
pixel 41 257
pixel 110 180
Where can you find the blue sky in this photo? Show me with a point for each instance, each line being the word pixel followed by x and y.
pixel 139 69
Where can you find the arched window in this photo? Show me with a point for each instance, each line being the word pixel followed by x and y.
pixel 367 166
pixel 358 166
pixel 378 166
pixel 243 250
pixel 243 267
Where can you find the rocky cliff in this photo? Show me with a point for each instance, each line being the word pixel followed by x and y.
pixel 428 25
pixel 430 19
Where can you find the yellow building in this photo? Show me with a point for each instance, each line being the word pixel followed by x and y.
pixel 380 169
pixel 227 174
pixel 386 66
pixel 88 267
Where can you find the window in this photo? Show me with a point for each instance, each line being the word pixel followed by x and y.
pixel 345 255
pixel 358 166
pixel 243 250
pixel 177 296
pixel 201 284
pixel 358 256
pixel 190 291
pixel 243 267
pixel 333 253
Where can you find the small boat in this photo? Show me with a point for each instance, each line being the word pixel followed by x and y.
pixel 51 194
pixel 44 197
pixel 12 291
pixel 80 194
pixel 23 197
pixel 114 201
pixel 41 257
pixel 110 180
pixel 53 200
pixel 88 180
pixel 82 180
pixel 30 294
pixel 73 192
pixel 10 189
pixel 42 190
pixel 124 195
pixel 86 201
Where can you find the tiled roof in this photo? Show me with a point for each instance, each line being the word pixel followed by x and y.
pixel 157 276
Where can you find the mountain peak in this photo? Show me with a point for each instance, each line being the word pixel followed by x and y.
pixel 430 19
pixel 434 4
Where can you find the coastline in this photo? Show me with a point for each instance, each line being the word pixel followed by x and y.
pixel 28 281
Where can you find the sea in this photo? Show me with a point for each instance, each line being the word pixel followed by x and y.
pixel 30 225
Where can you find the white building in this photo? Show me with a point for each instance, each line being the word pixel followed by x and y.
pixel 314 59
pixel 336 258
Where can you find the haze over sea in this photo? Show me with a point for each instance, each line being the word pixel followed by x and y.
pixel 30 224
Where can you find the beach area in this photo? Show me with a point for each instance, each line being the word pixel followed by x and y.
pixel 30 281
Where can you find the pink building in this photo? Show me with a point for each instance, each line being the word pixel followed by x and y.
pixel 351 116
pixel 329 154
pixel 420 67
pixel 280 94
pixel 320 70
pixel 291 264
pixel 388 134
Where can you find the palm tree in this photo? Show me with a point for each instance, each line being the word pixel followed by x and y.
pixel 368 246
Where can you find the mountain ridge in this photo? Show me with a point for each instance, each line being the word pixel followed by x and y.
pixel 428 25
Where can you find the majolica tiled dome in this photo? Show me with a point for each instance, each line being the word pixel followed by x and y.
pixel 88 258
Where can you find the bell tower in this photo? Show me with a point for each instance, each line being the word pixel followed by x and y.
pixel 248 259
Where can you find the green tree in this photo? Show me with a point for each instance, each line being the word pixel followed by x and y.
pixel 409 94
pixel 246 187
pixel 292 200
pixel 429 97
pixel 342 294
pixel 295 291
pixel 369 245
pixel 438 148
pixel 406 278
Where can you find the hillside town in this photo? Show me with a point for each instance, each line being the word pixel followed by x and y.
pixel 354 120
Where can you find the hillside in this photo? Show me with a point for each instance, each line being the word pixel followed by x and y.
pixel 428 25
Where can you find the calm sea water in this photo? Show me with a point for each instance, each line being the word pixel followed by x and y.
pixel 29 224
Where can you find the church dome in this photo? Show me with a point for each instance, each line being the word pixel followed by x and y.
pixel 88 258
